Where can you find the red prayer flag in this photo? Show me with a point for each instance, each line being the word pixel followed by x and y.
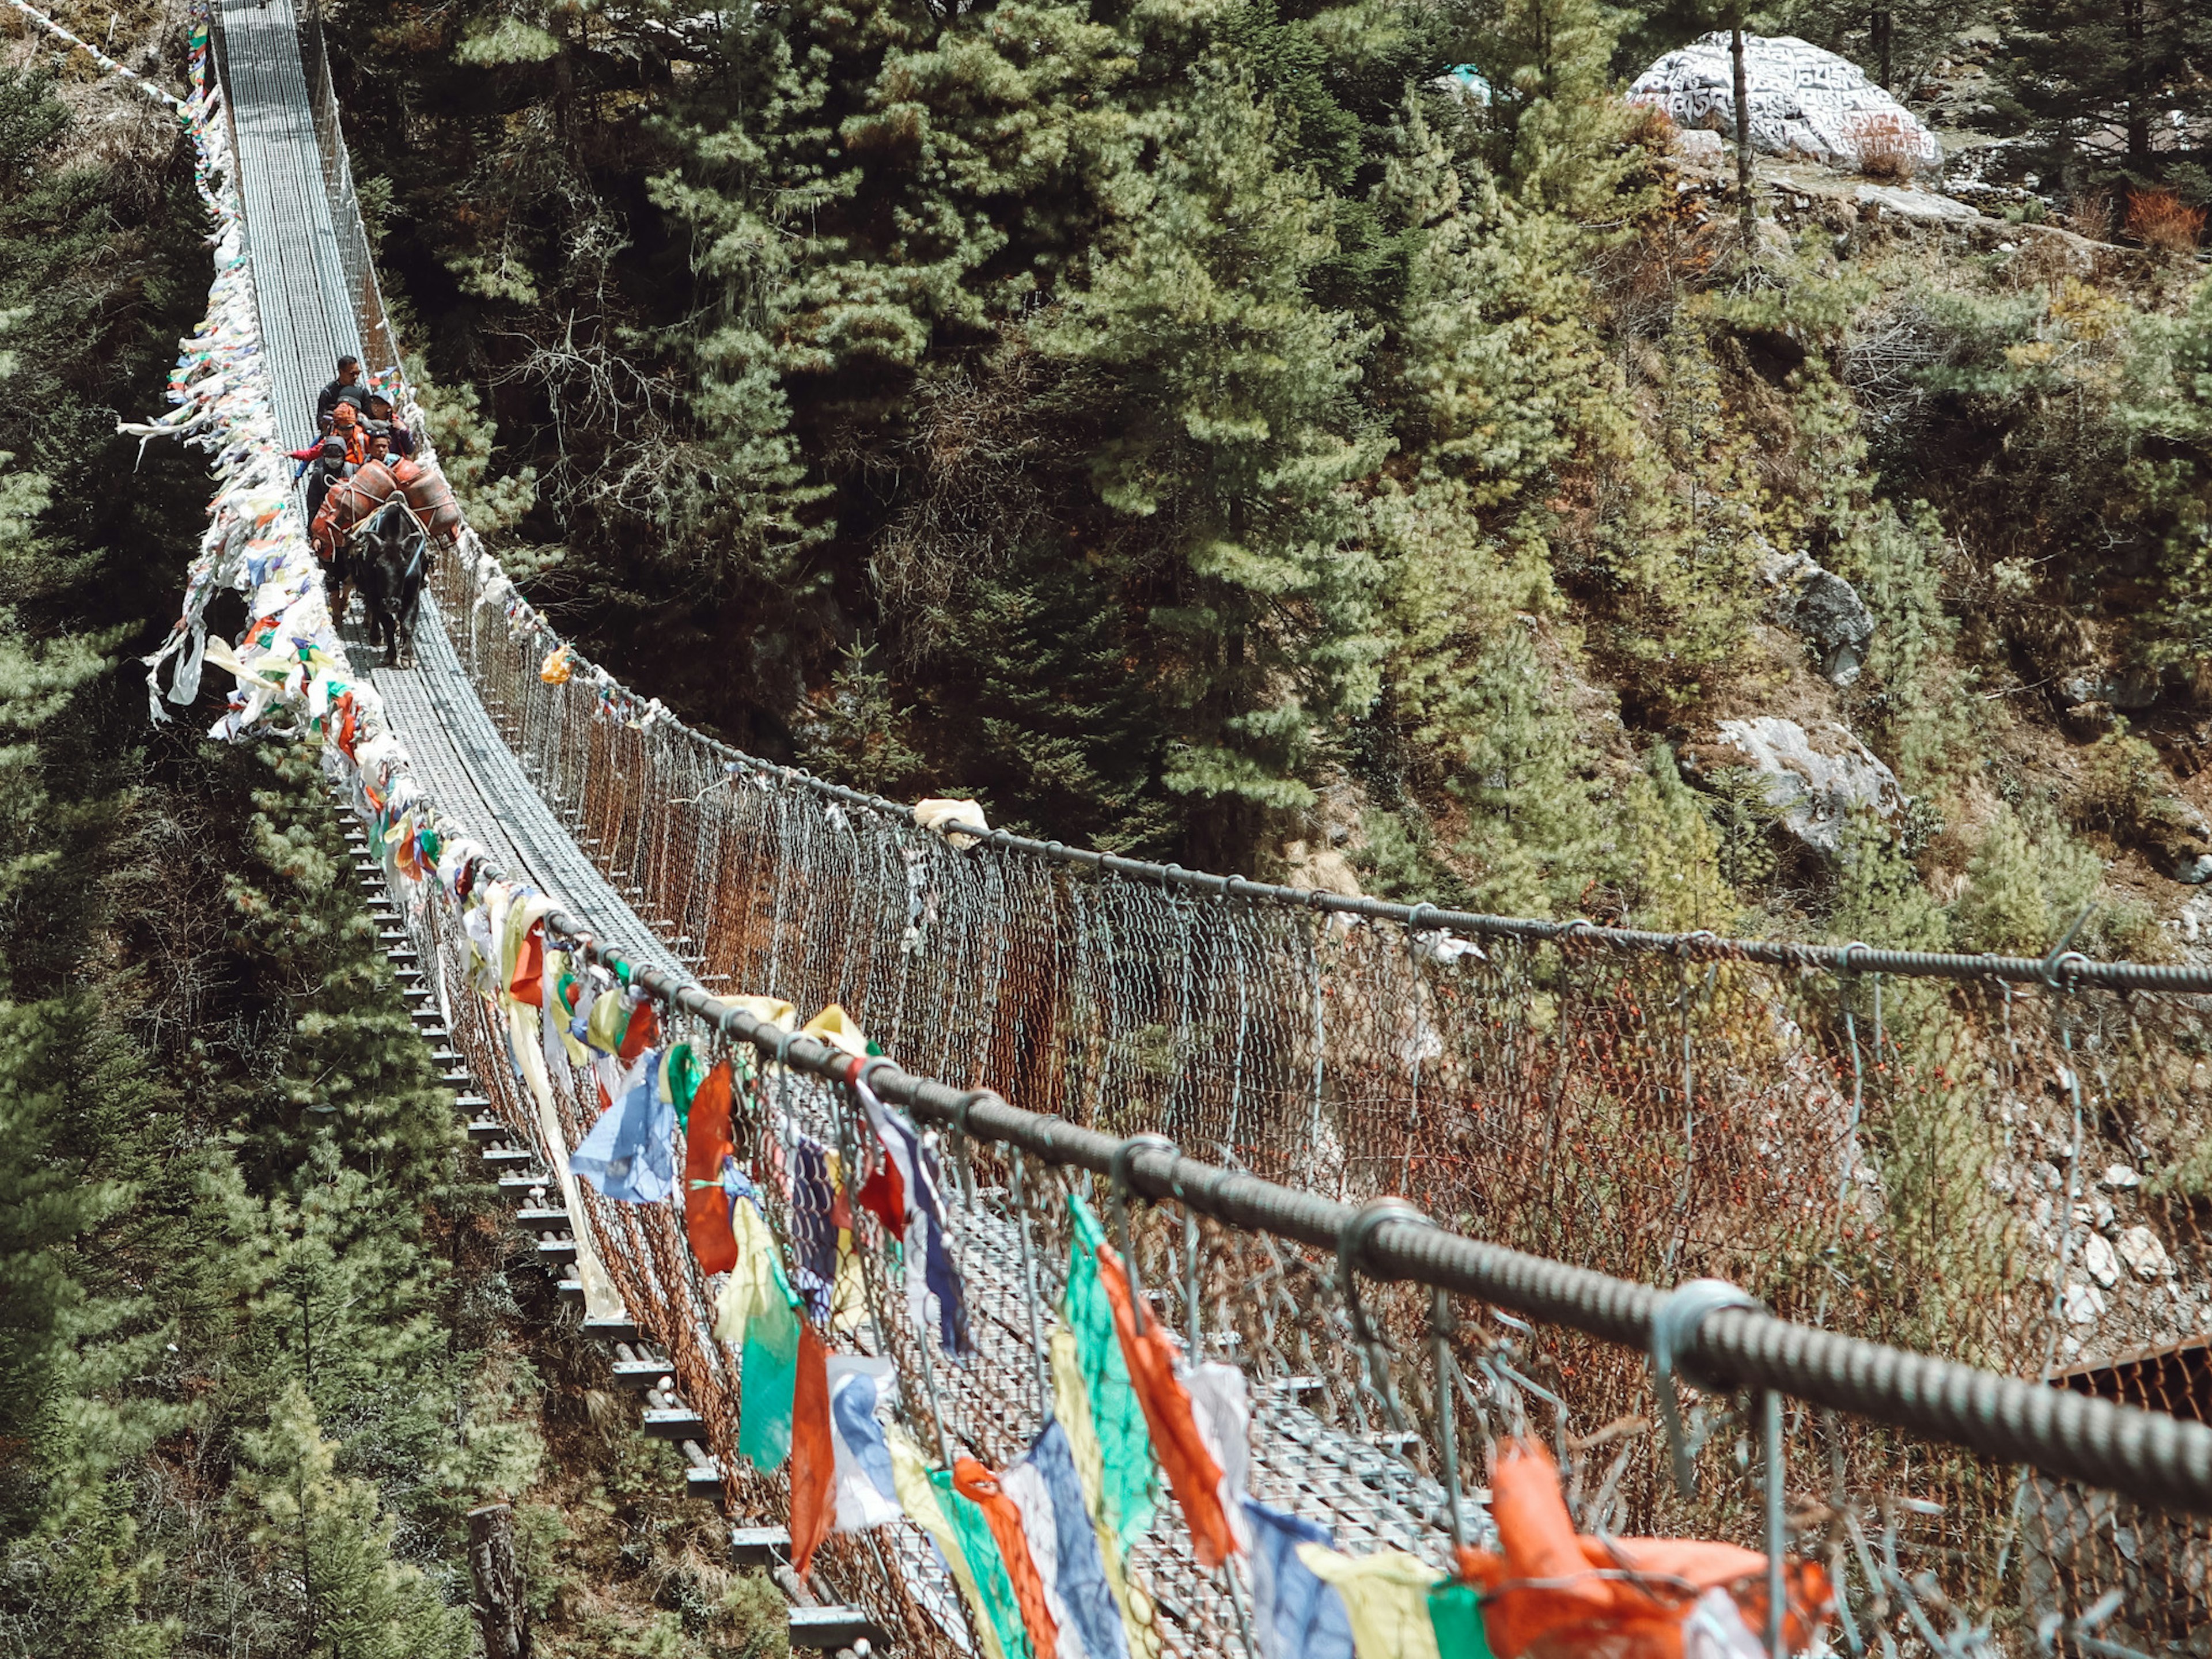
pixel 1192 1475
pixel 640 1033
pixel 1004 1516
pixel 706 1144
pixel 884 1196
pixel 813 1455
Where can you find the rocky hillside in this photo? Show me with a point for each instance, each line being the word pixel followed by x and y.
pixel 1217 431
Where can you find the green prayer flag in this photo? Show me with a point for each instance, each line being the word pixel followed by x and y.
pixel 1129 1476
pixel 685 1074
pixel 994 1588
pixel 1456 1615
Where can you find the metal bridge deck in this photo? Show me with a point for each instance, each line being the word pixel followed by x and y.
pixel 308 318
pixel 458 754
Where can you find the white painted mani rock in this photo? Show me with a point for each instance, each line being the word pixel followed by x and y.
pixel 1804 102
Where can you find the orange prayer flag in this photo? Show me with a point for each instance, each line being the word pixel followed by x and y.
pixel 1004 1516
pixel 706 1144
pixel 1548 1592
pixel 813 1454
pixel 1192 1475
pixel 528 984
pixel 348 724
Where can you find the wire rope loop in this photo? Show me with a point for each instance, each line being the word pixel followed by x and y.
pixel 1117 1170
pixel 1848 966
pixel 1684 941
pixel 1675 1325
pixel 1352 1245
pixel 866 1065
pixel 1414 917
pixel 966 1104
pixel 2063 969
pixel 1170 874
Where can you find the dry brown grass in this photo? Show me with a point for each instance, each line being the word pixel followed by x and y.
pixel 2089 213
pixel 2160 218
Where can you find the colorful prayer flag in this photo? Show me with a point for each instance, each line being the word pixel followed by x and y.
pixel 867 1491
pixel 630 1153
pixel 1193 1474
pixel 813 1453
pixel 706 1205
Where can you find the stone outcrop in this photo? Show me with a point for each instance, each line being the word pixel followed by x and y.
pixel 1825 609
pixel 1813 780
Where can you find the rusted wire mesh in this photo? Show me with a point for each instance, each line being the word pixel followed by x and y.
pixel 1927 1167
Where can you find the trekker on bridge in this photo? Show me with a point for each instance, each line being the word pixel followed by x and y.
pixel 346 389
pixel 329 465
pixel 381 419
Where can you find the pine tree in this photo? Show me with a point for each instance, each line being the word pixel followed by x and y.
pixel 331 1535
pixel 2113 92
pixel 1235 431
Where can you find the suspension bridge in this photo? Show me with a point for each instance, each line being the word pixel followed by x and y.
pixel 1992 1158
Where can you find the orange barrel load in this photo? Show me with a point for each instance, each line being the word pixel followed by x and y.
pixel 349 501
pixel 432 498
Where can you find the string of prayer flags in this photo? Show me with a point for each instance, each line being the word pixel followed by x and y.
pixel 1072 1415
pixel 630 1154
pixel 993 1598
pixel 911 1193
pixel 758 1311
pixel 1095 1396
pixel 1063 1543
pixel 918 1496
pixel 706 1144
pixel 1003 1517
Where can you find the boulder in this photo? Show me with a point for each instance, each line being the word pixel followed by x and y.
pixel 1820 606
pixel 2143 1256
pixel 1924 205
pixel 2099 1258
pixel 1815 780
pixel 2129 689
pixel 1804 102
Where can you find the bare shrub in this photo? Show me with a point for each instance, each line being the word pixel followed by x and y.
pixel 2160 218
pixel 2089 214
pixel 1887 147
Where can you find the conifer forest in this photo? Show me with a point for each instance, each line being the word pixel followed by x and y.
pixel 1409 448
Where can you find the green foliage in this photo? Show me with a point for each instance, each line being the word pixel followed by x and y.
pixel 356 1598
pixel 2026 885
pixel 1229 398
pixel 465 441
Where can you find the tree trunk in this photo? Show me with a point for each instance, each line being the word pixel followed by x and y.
pixel 1743 208
pixel 1879 25
pixel 2138 87
pixel 502 1615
